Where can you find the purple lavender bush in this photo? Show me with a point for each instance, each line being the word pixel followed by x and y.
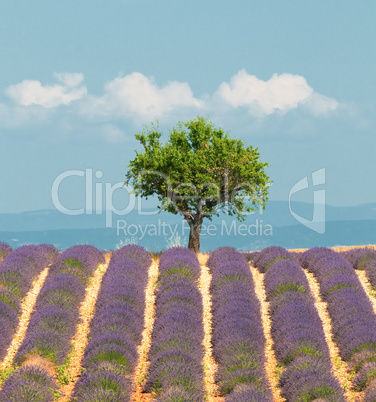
pixel 80 261
pixel 29 384
pixel 8 322
pixel 363 259
pixel 249 256
pixel 5 249
pixel 22 266
pixel 133 252
pixel 175 371
pixel 247 393
pixel 63 290
pixel 370 392
pixel 283 276
pixel 311 254
pixel 174 394
pixel 179 260
pixel 326 265
pixel 365 376
pixel 308 378
pixel 296 328
pixel 264 258
pixel 115 331
pixel 238 337
pixel 103 386
pixel 359 257
pixel 268 259
pixel 224 254
pixel 370 269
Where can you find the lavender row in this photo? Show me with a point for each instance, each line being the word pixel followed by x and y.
pixel 29 383
pixel 353 318
pixel 18 271
pixel 5 249
pixel 262 260
pixel 175 371
pixel 363 259
pixel 298 335
pixel 54 320
pixel 115 330
pixel 238 338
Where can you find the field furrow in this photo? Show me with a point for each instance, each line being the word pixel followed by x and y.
pixel 5 249
pixel 285 326
pixel 340 368
pixel 70 372
pixel 110 356
pixel 272 368
pixel 370 292
pixel 351 312
pixel 176 354
pixel 210 365
pixel 18 271
pixel 238 335
pixel 299 339
pixel 27 307
pixel 144 347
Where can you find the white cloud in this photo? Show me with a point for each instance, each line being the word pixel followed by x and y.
pixel 138 96
pixel 137 99
pixel 280 93
pixel 30 92
pixel 319 104
pixel 70 79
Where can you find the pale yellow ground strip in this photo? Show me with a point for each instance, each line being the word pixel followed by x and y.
pixel 143 349
pixel 271 365
pixel 367 287
pixel 340 248
pixel 80 339
pixel 27 307
pixel 346 248
pixel 340 368
pixel 209 363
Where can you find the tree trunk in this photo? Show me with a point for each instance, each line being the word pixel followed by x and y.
pixel 194 233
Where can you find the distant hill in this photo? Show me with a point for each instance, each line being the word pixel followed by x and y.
pixel 354 225
pixel 344 233
pixel 277 213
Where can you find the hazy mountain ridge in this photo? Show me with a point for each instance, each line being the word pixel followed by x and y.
pixel 275 226
pixel 277 213
pixel 345 233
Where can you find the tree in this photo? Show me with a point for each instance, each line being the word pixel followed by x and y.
pixel 199 172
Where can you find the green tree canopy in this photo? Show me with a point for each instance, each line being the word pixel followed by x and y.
pixel 199 172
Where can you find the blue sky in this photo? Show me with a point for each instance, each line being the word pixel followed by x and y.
pixel 80 78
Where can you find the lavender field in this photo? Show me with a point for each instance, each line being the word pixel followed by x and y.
pixel 274 325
